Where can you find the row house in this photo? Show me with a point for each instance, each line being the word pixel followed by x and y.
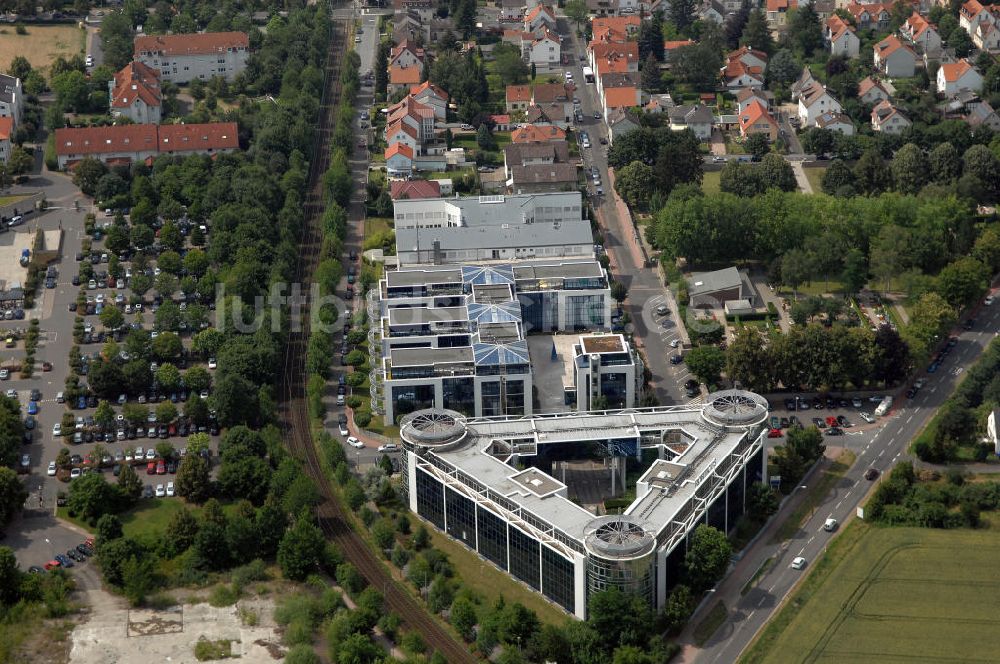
pixel 403 78
pixel 986 37
pixel 841 38
pixel 141 143
pixel 530 133
pixel 432 96
pixel 134 93
pixel 894 58
pixel 399 161
pixel 887 118
pixel 871 16
pixel 620 90
pixel 555 97
pixel 614 28
pixel 410 126
pixel 186 57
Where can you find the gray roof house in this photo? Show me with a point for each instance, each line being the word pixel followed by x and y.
pixel 711 290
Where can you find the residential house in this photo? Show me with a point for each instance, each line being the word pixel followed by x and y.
pixel 518 98
pixel 841 38
pixel 141 143
pixel 540 18
pixel 407 26
pixel 414 189
pixel 922 34
pixel 672 45
pixel 748 95
pixel 403 78
pixel 620 122
pixel 398 160
pixel 814 101
pixel 511 11
pixel 11 98
pixel 6 137
pixel 539 167
pixel 406 54
pixel 411 112
pixel 501 122
pixel 552 95
pixel 744 69
pixel 422 8
pixel 754 118
pixel 972 13
pixel 606 58
pixel 712 11
pixel 749 57
pixel 530 133
pixel 804 81
pixel 544 51
pixel 871 15
pixel 986 37
pixel 957 76
pixel 134 93
pixel 549 114
pixel 894 58
pixel 185 57
pixel 698 118
pixel 777 12
pixel 660 103
pixel 887 118
pixel 609 28
pixel 432 96
pixel 839 122
pixel 982 115
pixel 401 132
pixel 438 28
pixel 872 91
pixel 623 97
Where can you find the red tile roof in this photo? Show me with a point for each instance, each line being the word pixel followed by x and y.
pixel 404 75
pixel 620 97
pixel 398 148
pixel 518 93
pixel 752 114
pixel 136 80
pixel 671 45
pixel 413 189
pixel 6 128
pixel 537 134
pixel 202 43
pixel 955 70
pixel 427 85
pixel 147 138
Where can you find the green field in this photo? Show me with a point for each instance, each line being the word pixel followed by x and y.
pixel 815 177
pixel 892 595
pixel 711 182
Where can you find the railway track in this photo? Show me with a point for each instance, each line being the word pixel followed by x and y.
pixel 294 409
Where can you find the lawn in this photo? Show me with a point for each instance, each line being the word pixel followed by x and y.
pixel 8 200
pixel 711 182
pixel 375 225
pixel 815 177
pixel 891 595
pixel 818 488
pixel 491 583
pixel 42 44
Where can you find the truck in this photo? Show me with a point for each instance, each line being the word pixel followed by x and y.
pixel 883 407
pixel 588 74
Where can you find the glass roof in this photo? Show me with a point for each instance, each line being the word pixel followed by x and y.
pixel 501 354
pixel 505 312
pixel 490 274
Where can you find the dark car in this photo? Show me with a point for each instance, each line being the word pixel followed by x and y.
pixel 789 404
pixel 81 403
pixel 819 422
pixel 834 431
pixel 63 560
pixel 85 549
pixel 147 491
pixel 676 359
pixel 690 383
pixel 969 324
pixel 76 555
pixel 871 474
pixel 843 421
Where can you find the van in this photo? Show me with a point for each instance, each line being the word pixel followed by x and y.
pixel 883 407
pixel 340 399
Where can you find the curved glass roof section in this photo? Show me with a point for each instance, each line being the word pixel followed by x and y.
pixel 481 275
pixel 504 312
pixel 515 352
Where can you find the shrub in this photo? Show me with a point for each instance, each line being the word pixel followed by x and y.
pixel 223 596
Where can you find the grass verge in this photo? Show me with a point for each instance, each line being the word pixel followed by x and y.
pixel 710 623
pixel 711 182
pixel 815 177
pixel 764 566
pixel 815 495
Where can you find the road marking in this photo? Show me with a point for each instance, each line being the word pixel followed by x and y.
pixel 900 430
pixel 809 541
pixel 909 419
pixel 801 550
pixel 838 505
pixel 881 453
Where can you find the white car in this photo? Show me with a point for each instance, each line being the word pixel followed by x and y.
pixel 211 363
pixel 128 454
pixel 75 473
pixel 170 489
pixel 12 394
pixel 867 417
pixel 52 468
pixel 389 447
pixel 799 563
pixel 160 491
pixel 343 430
pixel 150 454
pixel 139 452
pixel 675 343
pixel 4 374
pixel 988 300
pixel 354 442
pixel 830 525
pixel 56 430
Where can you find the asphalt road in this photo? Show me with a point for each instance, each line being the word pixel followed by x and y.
pixel 879 449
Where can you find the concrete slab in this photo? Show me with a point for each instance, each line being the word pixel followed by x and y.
pixel 551 376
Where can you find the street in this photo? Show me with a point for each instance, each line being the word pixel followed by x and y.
pixel 879 449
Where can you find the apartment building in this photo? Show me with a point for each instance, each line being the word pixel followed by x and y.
pixel 184 58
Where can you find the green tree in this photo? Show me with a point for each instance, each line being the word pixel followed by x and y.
pixel 635 183
pixel 112 317
pixel 961 43
pixel 870 173
pixel 963 282
pixel 945 164
pixel 109 527
pixel 777 172
pixel 12 495
pixel 193 480
pixel 90 496
pixel 805 30
pixel 705 362
pixel 509 64
pixel 19 162
pixel 757 33
pixel 463 612
pixel 11 430
pixel 10 577
pixel 682 14
pixel 576 11
pixel 484 138
pixel 619 618
pixel 87 172
pixel 72 91
pixel 129 483
pixel 838 178
pixel 757 145
pixel 707 557
pixel 980 163
pixel 301 549
pixel 855 274
pixel 749 360
pixel 909 169
pixel 782 68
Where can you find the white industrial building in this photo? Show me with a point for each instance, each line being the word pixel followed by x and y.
pixel 484 482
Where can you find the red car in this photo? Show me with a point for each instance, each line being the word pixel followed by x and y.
pixel 831 421
pixel 51 565
pixel 161 467
pixel 775 433
pixel 151 468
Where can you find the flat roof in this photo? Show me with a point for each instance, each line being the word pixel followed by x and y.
pixel 498 236
pixel 420 357
pixel 538 482
pixel 603 343
pixel 419 277
pixel 710 282
pixel 568 270
pixel 496 210
pixel 421 315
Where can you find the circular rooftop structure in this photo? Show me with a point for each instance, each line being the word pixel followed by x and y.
pixel 434 428
pixel 618 536
pixel 735 408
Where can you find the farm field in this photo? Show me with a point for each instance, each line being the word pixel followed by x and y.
pixel 42 44
pixel 892 595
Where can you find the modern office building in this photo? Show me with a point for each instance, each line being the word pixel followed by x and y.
pixel 483 482
pixel 605 368
pixel 491 228
pixel 455 336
